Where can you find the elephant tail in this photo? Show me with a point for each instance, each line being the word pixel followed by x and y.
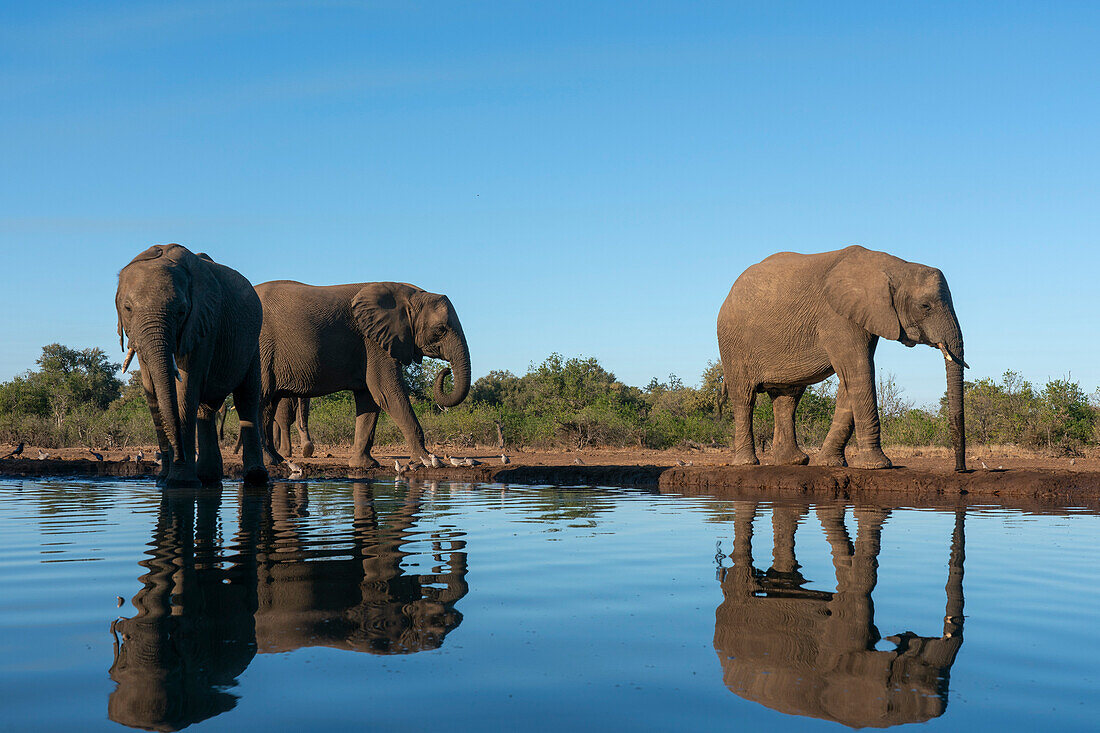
pixel 722 395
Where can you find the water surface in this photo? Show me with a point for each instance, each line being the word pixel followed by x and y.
pixel 489 607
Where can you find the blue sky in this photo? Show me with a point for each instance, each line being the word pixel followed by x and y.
pixel 587 178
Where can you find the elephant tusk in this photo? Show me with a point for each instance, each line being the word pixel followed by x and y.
pixel 129 355
pixel 950 357
pixel 176 370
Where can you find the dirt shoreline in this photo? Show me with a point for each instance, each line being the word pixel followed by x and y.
pixel 1032 481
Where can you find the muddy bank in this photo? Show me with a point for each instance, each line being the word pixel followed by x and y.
pixel 1031 486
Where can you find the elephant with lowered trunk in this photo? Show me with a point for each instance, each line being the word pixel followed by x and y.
pixel 796 319
pixel 194 325
pixel 317 340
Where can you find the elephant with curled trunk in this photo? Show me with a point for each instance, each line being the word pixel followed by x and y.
pixel 317 340
pixel 195 326
pixel 796 319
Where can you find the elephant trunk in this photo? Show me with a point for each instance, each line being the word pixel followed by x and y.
pixel 952 350
pixel 455 351
pixel 158 361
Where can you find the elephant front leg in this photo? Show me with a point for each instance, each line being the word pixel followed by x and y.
pixel 366 420
pixel 861 396
pixel 209 463
pixel 386 387
pixel 840 431
pixel 181 468
pixel 785 450
pixel 247 399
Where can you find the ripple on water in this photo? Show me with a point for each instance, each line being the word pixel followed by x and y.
pixel 504 606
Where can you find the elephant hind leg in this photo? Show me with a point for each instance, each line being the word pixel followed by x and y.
pixel 743 399
pixel 366 420
pixel 785 450
pixel 303 428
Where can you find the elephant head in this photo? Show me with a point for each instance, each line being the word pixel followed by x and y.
pixel 409 324
pixel 167 302
pixel 906 302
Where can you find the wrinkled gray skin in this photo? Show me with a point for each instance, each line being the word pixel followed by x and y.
pixel 195 326
pixel 796 319
pixel 317 340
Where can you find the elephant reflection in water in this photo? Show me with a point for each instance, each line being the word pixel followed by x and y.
pixel 206 609
pixel 816 653
pixel 362 603
pixel 194 632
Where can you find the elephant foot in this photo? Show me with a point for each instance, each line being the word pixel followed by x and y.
pixel 182 481
pixel 307 449
pixel 256 476
pixel 744 458
pixel 789 457
pixel 363 462
pixel 871 459
pixel 830 458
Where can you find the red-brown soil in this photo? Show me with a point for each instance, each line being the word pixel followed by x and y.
pixel 1010 476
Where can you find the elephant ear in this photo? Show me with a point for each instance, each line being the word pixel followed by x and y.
pixel 861 292
pixel 204 294
pixel 382 312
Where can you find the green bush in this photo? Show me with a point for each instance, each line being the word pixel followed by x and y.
pixel 75 399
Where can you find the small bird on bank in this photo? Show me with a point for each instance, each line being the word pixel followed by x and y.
pixel 98 456
pixel 425 462
pixel 471 462
pixel 140 456
pixel 455 461
pixel 1073 460
pixel 42 455
pixel 436 463
pixel 984 466
pixel 680 462
pixel 504 460
pixel 398 467
pixel 578 462
pixel 295 469
pixel 126 458
pixel 16 452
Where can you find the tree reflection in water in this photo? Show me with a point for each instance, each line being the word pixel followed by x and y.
pixel 206 610
pixel 813 653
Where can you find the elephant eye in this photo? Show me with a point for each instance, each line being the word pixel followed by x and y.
pixel 926 306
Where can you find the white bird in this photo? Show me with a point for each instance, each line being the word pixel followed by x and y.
pixel 436 463
pixel 455 461
pixel 42 455
pixel 578 462
pixel 471 462
pixel 1073 460
pixel 504 460
pixel 984 466
pixel 140 456
pixel 690 463
pixel 295 469
pixel 398 467
pixel 1000 468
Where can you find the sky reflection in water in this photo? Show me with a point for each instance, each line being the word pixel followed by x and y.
pixel 482 606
